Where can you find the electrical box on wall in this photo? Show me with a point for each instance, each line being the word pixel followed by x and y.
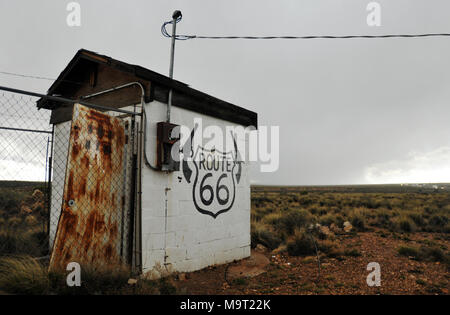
pixel 168 136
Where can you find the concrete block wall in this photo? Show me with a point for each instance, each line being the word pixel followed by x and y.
pixel 190 240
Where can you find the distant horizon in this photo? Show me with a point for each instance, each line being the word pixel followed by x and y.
pixel 372 184
pixel 277 185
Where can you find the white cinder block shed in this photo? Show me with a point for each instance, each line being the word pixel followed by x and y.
pixel 176 215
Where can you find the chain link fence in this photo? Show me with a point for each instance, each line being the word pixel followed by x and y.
pixel 25 150
pixel 67 190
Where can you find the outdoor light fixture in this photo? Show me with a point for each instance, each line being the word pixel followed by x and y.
pixel 177 15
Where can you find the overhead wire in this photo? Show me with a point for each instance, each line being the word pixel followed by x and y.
pixel 186 37
pixel 36 77
pixel 165 33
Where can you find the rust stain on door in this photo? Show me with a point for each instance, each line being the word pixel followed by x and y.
pixel 89 228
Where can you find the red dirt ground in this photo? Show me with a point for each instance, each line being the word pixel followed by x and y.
pixel 299 275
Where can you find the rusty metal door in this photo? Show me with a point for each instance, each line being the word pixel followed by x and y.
pixel 93 228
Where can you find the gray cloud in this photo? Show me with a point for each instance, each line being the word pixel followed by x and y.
pixel 342 106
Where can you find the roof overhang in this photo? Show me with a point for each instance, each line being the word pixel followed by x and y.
pixel 183 95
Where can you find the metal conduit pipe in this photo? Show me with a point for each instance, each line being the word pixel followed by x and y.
pixel 65 100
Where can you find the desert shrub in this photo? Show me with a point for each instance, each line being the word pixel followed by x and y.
pixel 259 201
pixel 10 200
pixel 429 210
pixel 23 275
pixel 426 253
pixel 294 198
pixel 272 218
pixel 328 219
pixel 438 221
pixel 418 219
pixel 259 213
pixel 301 244
pixel 339 220
pixel 421 282
pixel 358 221
pixel 11 243
pixel 305 201
pixel 240 281
pixel 409 251
pixel 289 221
pixel 434 254
pixel 262 234
pixel 39 240
pixel 327 246
pixel 313 210
pixel 405 224
pixel 322 211
pixel 40 210
pixel 28 243
pixel 383 217
pixel 106 281
pixel 166 287
pixel 446 229
pixel 93 281
pixel 352 252
pixel 14 222
pixel 31 220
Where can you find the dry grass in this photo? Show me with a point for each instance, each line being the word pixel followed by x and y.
pixel 278 214
pixel 425 253
pixel 23 275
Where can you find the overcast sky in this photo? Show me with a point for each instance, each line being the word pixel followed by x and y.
pixel 349 111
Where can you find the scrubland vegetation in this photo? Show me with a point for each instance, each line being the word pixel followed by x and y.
pixel 23 217
pixel 346 227
pixel 290 220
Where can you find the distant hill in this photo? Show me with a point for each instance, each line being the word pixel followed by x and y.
pixel 381 188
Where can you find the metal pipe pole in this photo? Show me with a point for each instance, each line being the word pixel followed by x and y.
pixel 172 50
pixel 175 16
